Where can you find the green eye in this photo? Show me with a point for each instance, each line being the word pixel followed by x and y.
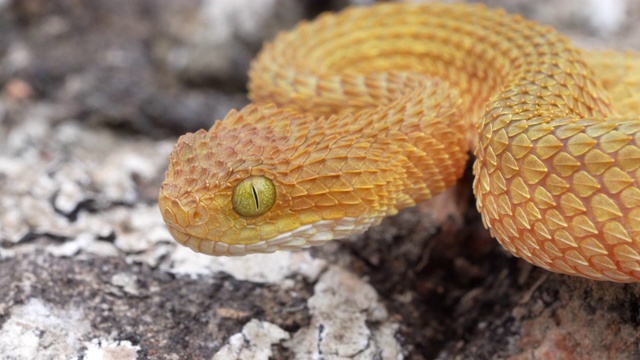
pixel 253 196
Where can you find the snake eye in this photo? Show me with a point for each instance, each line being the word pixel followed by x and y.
pixel 253 196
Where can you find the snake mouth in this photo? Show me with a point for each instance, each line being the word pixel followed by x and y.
pixel 217 248
pixel 302 237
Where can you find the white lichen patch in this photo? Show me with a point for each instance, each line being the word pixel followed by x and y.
pixel 262 268
pixel 139 228
pixel 105 349
pixel 348 322
pixel 126 282
pixel 39 330
pixel 253 343
pixel 79 186
pixel 86 242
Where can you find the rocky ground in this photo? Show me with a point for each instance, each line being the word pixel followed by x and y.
pixel 94 94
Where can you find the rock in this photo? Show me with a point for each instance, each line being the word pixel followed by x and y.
pixel 88 269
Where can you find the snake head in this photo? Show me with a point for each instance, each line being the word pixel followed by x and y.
pixel 239 188
pixel 218 197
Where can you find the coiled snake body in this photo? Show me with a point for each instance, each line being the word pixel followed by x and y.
pixel 359 114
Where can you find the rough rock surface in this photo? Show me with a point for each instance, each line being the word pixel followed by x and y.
pixel 89 93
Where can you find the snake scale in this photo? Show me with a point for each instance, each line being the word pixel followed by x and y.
pixel 359 114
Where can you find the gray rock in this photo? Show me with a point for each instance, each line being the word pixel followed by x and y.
pixel 88 269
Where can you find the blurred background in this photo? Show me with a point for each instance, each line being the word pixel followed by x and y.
pixel 162 67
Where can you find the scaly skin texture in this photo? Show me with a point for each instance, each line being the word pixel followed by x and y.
pixel 359 114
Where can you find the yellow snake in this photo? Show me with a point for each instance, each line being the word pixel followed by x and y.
pixel 359 114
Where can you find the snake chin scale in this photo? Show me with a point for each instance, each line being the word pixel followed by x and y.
pixel 304 236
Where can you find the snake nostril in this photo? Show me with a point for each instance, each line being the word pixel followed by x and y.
pixel 198 215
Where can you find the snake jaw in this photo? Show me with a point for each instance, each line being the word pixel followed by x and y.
pixel 301 237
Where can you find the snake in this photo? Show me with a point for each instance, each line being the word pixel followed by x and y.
pixel 359 114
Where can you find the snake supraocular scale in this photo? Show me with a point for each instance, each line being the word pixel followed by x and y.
pixel 359 114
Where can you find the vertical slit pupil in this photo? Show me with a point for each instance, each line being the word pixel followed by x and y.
pixel 255 196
